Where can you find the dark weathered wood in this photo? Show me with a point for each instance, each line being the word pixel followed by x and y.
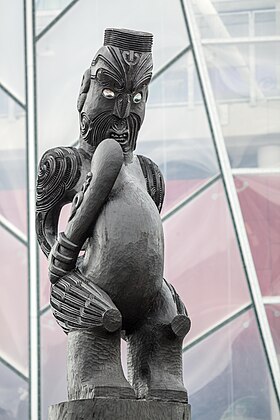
pixel 106 268
pixel 119 409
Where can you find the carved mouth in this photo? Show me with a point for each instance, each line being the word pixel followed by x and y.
pixel 120 137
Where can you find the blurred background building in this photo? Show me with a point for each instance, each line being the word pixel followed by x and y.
pixel 213 126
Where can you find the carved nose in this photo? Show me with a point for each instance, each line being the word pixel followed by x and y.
pixel 122 106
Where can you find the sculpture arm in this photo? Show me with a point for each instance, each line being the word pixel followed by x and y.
pixel 58 175
pixel 105 167
pixel 154 180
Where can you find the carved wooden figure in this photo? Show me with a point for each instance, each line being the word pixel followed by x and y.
pixel 106 268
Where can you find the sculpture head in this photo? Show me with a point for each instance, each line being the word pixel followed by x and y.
pixel 114 89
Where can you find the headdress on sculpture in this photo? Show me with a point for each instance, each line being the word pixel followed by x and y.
pixel 126 39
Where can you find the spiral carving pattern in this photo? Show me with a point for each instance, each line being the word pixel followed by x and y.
pixel 84 126
pixel 59 171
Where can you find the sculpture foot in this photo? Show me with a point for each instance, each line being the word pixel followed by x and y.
pixel 92 391
pixel 170 394
pixel 94 366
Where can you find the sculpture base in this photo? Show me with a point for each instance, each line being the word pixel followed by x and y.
pixel 119 409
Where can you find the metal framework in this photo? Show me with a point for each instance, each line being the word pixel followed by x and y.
pixel 218 326
pixel 247 40
pixel 226 175
pixel 13 230
pixel 33 264
pixel 12 96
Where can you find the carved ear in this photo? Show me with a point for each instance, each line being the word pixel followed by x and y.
pixel 83 90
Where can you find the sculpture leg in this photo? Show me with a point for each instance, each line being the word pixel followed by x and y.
pixel 94 367
pixel 93 324
pixel 155 349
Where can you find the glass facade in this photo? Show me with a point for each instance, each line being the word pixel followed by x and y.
pixel 212 125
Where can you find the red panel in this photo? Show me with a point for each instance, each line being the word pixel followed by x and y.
pixel 178 190
pixel 13 207
pixel 259 197
pixel 53 363
pixel 203 260
pixel 14 293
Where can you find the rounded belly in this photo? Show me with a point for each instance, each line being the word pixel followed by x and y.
pixel 125 252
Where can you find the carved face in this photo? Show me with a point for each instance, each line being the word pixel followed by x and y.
pixel 117 95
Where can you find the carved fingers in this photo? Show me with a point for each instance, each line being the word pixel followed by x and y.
pixel 62 258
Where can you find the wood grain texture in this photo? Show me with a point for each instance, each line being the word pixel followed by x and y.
pixel 119 409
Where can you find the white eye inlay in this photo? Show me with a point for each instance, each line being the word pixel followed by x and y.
pixel 137 98
pixel 108 93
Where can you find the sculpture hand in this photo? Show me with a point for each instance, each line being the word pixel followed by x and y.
pixel 62 258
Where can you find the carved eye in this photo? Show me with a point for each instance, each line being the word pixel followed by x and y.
pixel 108 93
pixel 137 98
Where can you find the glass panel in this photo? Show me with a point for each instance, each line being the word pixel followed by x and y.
pixel 60 73
pixel 225 19
pixel 227 375
pixel 47 10
pixel 266 22
pixel 273 315
pixel 13 395
pixel 246 84
pixel 266 70
pixel 222 25
pixel 12 73
pixel 259 197
pixel 203 260
pixel 228 72
pixel 12 162
pixel 53 363
pixel 13 309
pixel 176 134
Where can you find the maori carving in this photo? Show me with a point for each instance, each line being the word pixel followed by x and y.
pixel 114 288
pixel 59 171
pixel 77 200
